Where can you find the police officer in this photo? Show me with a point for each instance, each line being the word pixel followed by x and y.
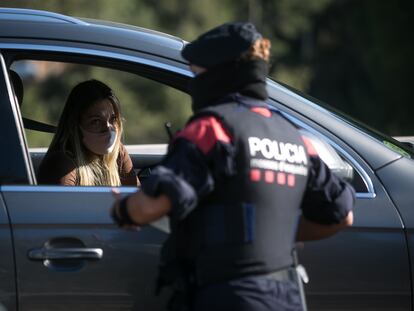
pixel 239 184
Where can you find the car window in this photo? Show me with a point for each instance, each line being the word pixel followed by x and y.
pixel 146 106
pixel 335 157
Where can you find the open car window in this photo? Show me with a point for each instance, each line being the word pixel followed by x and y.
pixel 146 106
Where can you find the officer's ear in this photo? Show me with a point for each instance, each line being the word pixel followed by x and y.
pixel 197 69
pixel 259 49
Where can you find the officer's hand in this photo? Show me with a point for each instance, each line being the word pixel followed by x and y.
pixel 119 212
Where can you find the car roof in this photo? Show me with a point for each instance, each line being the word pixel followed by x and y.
pixel 40 25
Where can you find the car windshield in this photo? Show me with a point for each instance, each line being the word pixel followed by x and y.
pixel 388 141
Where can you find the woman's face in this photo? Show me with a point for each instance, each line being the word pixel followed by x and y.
pixel 99 127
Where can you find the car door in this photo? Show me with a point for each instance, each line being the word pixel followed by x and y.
pixel 68 252
pixel 365 267
pixel 10 153
pixel 71 256
pixel 7 269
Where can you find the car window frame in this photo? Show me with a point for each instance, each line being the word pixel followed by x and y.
pixel 337 144
pixel 12 128
pixel 165 71
pixel 175 75
pixel 171 73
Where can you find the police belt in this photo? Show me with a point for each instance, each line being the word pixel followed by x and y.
pixel 295 274
pixel 280 275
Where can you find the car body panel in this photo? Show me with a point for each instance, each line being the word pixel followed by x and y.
pixel 375 279
pixel 56 218
pixel 398 178
pixel 373 251
pixel 8 293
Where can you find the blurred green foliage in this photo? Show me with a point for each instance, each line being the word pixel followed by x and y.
pixel 355 55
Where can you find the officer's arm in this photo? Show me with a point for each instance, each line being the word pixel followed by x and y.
pixel 309 230
pixel 144 209
pixel 327 204
pixel 175 186
pixel 140 209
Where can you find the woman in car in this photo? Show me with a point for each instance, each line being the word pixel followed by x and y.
pixel 86 149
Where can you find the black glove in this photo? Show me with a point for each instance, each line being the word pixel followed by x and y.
pixel 122 217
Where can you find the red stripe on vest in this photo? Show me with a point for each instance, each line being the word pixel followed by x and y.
pixel 269 177
pixel 255 175
pixel 281 178
pixel 205 133
pixel 291 180
pixel 262 111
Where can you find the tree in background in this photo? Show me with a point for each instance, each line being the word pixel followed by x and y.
pixel 362 61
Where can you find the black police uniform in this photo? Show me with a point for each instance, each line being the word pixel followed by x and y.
pixel 237 194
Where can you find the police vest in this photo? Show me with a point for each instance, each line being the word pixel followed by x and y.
pixel 247 225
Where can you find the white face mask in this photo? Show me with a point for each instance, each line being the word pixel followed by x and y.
pixel 100 143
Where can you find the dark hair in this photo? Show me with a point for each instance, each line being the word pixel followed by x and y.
pixel 85 94
pixel 81 97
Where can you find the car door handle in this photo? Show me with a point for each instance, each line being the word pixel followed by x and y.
pixel 65 253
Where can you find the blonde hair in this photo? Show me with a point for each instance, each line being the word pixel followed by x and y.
pixel 260 49
pixel 90 171
pixel 100 171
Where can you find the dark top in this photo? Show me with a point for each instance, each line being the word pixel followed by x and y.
pixel 57 168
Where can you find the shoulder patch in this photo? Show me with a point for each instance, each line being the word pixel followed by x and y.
pixel 205 132
pixel 262 111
